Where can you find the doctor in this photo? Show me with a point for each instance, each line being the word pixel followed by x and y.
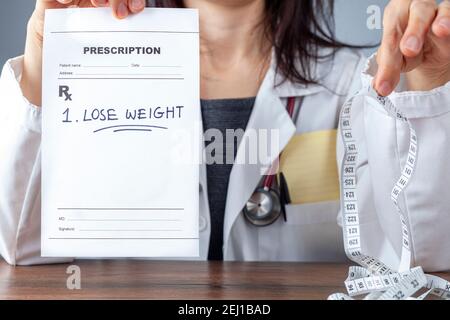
pixel 256 54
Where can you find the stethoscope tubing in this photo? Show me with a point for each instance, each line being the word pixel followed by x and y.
pixel 270 178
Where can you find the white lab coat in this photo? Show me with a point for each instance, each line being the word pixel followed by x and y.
pixel 311 232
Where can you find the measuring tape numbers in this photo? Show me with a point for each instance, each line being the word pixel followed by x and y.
pixel 372 277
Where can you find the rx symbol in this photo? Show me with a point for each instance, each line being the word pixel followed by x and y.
pixel 64 91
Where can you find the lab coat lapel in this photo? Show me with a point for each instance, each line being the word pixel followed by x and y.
pixel 269 113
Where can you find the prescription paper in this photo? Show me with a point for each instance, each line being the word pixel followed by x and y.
pixel 120 134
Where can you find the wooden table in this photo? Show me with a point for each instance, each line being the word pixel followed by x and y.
pixel 138 279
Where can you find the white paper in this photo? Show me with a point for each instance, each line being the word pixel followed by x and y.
pixel 114 186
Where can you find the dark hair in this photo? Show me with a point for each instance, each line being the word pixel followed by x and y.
pixel 298 29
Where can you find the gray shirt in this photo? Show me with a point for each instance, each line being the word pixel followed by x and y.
pixel 221 115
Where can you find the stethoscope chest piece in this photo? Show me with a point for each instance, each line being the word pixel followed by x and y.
pixel 263 208
pixel 266 204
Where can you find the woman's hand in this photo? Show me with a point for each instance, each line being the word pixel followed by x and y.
pixel 416 40
pixel 31 82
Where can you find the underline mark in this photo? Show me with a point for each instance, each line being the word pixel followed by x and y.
pixel 132 126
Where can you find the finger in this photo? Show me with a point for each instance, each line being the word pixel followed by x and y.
pixel 100 3
pixel 47 2
pixel 44 4
pixel 390 66
pixel 389 57
pixel 136 6
pixel 441 25
pixel 421 17
pixel 120 8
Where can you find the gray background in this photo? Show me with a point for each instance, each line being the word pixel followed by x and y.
pixel 351 25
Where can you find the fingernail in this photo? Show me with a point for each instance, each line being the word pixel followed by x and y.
pixel 445 23
pixel 384 88
pixel 122 10
pixel 412 43
pixel 137 4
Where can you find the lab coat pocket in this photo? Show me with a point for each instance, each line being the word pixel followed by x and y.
pixel 311 233
pixel 309 166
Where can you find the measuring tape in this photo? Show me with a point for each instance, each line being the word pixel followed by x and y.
pixel 373 278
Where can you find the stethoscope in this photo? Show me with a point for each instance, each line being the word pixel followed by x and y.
pixel 267 203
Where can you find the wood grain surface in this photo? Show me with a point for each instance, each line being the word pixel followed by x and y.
pixel 143 279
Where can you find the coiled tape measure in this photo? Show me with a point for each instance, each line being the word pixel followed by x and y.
pixel 373 278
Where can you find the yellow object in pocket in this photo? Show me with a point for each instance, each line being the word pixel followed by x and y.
pixel 309 166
